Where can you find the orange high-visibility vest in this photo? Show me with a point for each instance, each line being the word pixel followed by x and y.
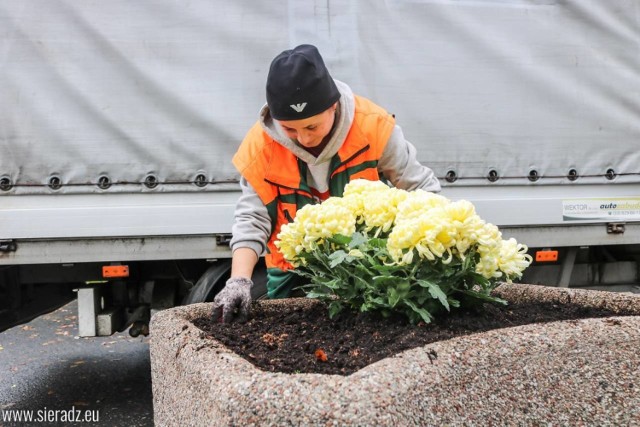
pixel 279 177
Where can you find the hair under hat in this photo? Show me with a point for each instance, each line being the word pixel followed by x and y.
pixel 299 85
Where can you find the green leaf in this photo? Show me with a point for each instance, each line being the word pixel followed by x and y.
pixel 384 280
pixel 362 271
pixel 453 302
pixel 339 239
pixel 316 295
pixel 394 296
pixel 337 257
pixel 482 281
pixel 328 282
pixel 425 283
pixel 424 314
pixel 470 260
pixel 357 239
pixel 335 307
pixel 435 292
pixel 377 301
pixel 378 243
pixel 363 283
pixel 384 269
pixel 483 296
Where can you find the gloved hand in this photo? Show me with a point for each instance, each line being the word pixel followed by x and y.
pixel 233 302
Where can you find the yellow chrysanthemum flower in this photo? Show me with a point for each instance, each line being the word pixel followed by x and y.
pixel 359 192
pixel 427 234
pixel 312 225
pixel 418 222
pixel 513 258
pixel 379 212
pixel 364 186
pixel 417 202
pixel 290 241
pixel 488 265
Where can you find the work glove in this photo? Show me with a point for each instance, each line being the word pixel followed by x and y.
pixel 233 302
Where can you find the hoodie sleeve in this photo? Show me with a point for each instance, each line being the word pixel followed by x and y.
pixel 252 224
pixel 400 165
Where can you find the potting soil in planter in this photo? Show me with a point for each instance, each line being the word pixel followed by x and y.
pixel 297 340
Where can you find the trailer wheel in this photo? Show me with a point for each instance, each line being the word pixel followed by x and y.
pixel 213 280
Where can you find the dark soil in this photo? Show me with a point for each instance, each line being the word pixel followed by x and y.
pixel 307 341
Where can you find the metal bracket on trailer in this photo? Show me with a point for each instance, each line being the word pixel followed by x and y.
pixel 88 309
pixel 567 267
pixel 616 228
pixel 8 246
pixel 93 320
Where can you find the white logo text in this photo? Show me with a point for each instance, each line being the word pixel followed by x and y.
pixel 298 107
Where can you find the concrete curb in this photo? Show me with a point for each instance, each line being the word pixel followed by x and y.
pixel 571 372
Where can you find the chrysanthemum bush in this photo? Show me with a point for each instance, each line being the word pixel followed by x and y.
pixel 383 249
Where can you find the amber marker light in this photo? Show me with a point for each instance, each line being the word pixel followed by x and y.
pixel 110 271
pixel 546 256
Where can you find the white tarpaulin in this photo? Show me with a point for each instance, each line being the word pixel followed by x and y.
pixel 128 89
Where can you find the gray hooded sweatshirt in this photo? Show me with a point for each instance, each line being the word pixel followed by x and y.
pixel 252 225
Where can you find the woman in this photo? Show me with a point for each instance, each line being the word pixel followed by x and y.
pixel 313 136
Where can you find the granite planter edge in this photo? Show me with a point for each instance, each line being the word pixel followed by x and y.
pixel 561 372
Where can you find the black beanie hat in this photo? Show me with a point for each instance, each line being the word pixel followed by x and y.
pixel 299 85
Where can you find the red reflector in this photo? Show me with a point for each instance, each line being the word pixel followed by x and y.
pixel 546 256
pixel 115 271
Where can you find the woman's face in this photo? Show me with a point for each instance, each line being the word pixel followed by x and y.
pixel 311 131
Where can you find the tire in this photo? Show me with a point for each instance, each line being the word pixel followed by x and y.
pixel 214 279
pixel 259 278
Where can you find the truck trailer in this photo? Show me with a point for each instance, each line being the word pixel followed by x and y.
pixel 118 121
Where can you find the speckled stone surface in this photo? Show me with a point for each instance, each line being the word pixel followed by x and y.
pixel 584 372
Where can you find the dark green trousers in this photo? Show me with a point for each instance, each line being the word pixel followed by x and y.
pixel 283 284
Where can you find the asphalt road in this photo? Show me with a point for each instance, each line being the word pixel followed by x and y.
pixel 45 368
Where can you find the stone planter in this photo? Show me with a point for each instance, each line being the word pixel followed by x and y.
pixel 567 373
